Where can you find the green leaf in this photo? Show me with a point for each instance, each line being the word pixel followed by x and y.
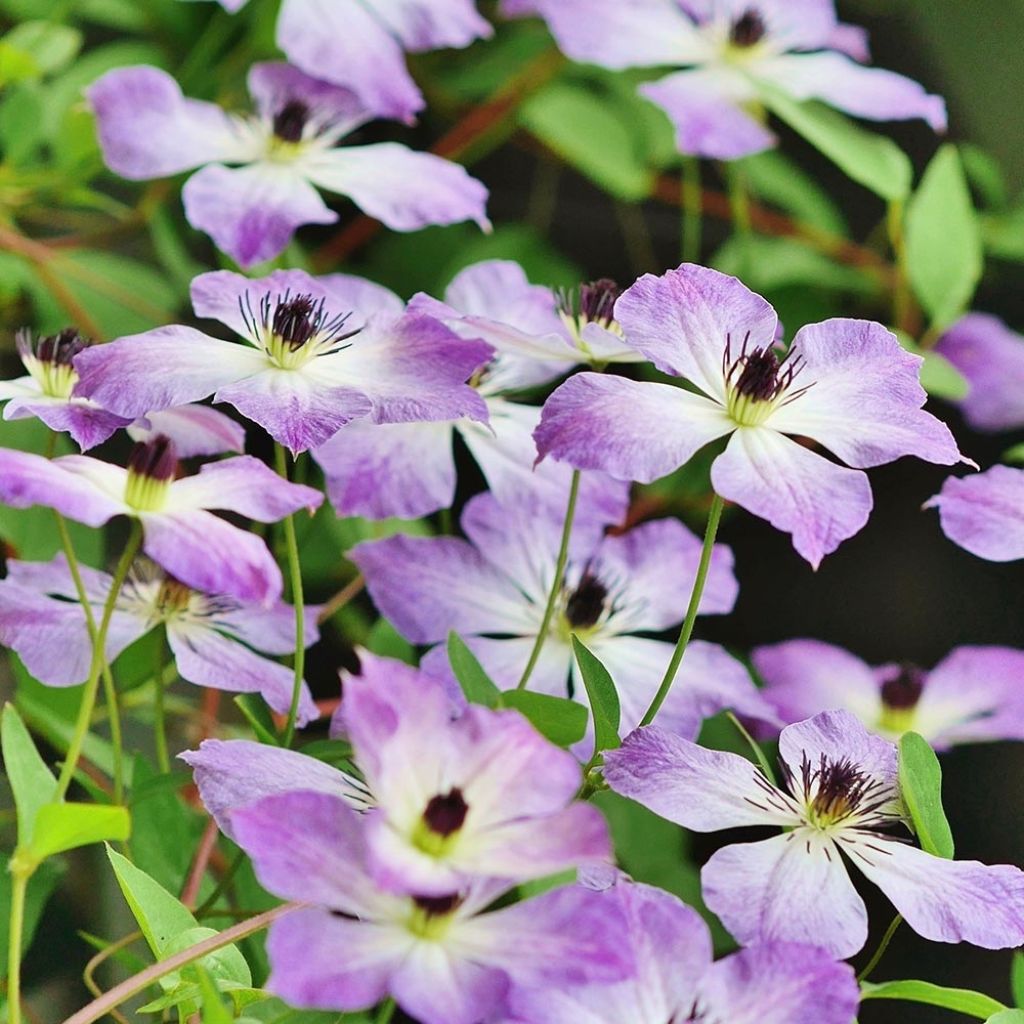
pixel 1003 234
pixel 776 178
pixel 943 239
pixel 32 783
pixel 574 122
pixel 1015 453
pixel 214 1010
pixel 921 783
pixel 476 684
pixel 871 160
pixel 51 45
pixel 1007 1017
pixel 257 714
pixel 385 640
pixel 66 826
pixel 974 1004
pixel 559 719
pixel 604 699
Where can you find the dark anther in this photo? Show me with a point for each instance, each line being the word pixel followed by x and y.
pixel 437 906
pixel 290 121
pixel 759 378
pixel 586 602
pixel 446 814
pixel 59 349
pixel 295 320
pixel 155 459
pixel 748 29
pixel 597 300
pixel 903 690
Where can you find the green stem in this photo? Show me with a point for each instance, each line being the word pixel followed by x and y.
pixel 295 572
pixel 556 583
pixel 222 886
pixel 882 947
pixel 692 223
pixel 755 747
pixel 98 660
pixel 19 885
pixel 109 689
pixel 902 299
pixel 163 758
pixel 739 204
pixel 386 1011
pixel 714 517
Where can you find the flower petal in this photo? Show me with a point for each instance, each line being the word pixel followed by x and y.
pixel 86 422
pixel 851 40
pixel 819 503
pixel 427 25
pixel 194 429
pixel 274 84
pixel 984 514
pixel 27 479
pixel 364 298
pixel 593 421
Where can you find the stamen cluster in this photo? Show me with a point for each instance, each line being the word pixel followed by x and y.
pixel 293 329
pixel 152 465
pixel 757 382
pixel 50 359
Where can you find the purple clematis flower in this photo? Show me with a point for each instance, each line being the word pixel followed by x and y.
pixel 216 641
pixel 445 959
pixel 840 792
pixel 492 589
pixel 991 357
pixel 148 129
pixel 180 533
pixel 973 695
pixel 774 983
pixel 735 50
pixel 408 470
pixel 984 513
pixel 307 368
pixel 846 384
pixel 361 46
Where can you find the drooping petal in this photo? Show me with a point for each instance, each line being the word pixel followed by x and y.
pixel 705 106
pixel 851 40
pixel 403 189
pixel 684 320
pixel 819 503
pixel 985 513
pixel 194 429
pixel 804 677
pixel 380 470
pixel 86 422
pixel 872 93
pixel 130 376
pixel 991 357
pixel 700 789
pixel 234 773
pixel 426 25
pixel 790 888
pixel 148 129
pixel 274 84
pixel 631 430
pixel 863 397
pixel 252 212
pixel 27 479
pixel 947 900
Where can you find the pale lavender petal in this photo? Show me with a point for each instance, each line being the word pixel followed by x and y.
pixel 872 93
pixel 345 43
pixel 518 8
pixel 234 773
pixel 428 25
pixel 267 629
pixel 274 84
pixel 364 298
pixel 130 376
pixel 27 479
pixel 403 189
pixel 252 212
pixel 194 429
pixel 789 24
pixel 380 470
pixel 87 423
pixel 838 736
pixel 985 513
pixel 790 888
pixel 705 106
pixel 499 290
pixel 594 421
pixel 148 129
pixel 948 900
pixel 804 677
pixel 819 503
pixel 700 789
pixel 54 578
pixel 863 397
pixel 851 40
pixel 684 320
pixel 991 357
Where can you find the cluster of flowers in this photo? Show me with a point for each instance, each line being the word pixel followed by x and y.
pixel 437 870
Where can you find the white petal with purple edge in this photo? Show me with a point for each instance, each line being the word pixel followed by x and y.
pixel 984 514
pixel 194 429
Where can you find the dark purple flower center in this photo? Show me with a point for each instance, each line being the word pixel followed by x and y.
pixel 759 376
pixel 592 303
pixel 748 29
pixel 833 790
pixel 586 602
pixel 295 320
pixel 290 121
pixel 446 814
pixel 437 906
pixel 61 348
pixel 154 459
pixel 903 690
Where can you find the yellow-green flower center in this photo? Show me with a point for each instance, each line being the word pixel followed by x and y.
pixel 152 466
pixel 430 917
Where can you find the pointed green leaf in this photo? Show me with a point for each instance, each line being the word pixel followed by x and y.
pixel 31 781
pixel 1007 1017
pixel 66 826
pixel 604 699
pixel 476 684
pixel 214 1010
pixel 559 719
pixel 921 783
pixel 974 1004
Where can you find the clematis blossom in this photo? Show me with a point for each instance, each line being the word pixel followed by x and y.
pixel 984 513
pixel 180 533
pixel 846 384
pixel 289 148
pixel 408 470
pixel 492 589
pixel 216 641
pixel 675 980
pixel 973 695
pixel 310 361
pixel 839 796
pixel 735 52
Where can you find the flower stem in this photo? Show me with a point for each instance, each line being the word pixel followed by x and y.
pixel 556 582
pixel 19 885
pixel 739 206
pixel 882 947
pixel 163 759
pixel 755 747
pixel 295 572
pixel 98 661
pixel 714 517
pixel 386 1011
pixel 690 201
